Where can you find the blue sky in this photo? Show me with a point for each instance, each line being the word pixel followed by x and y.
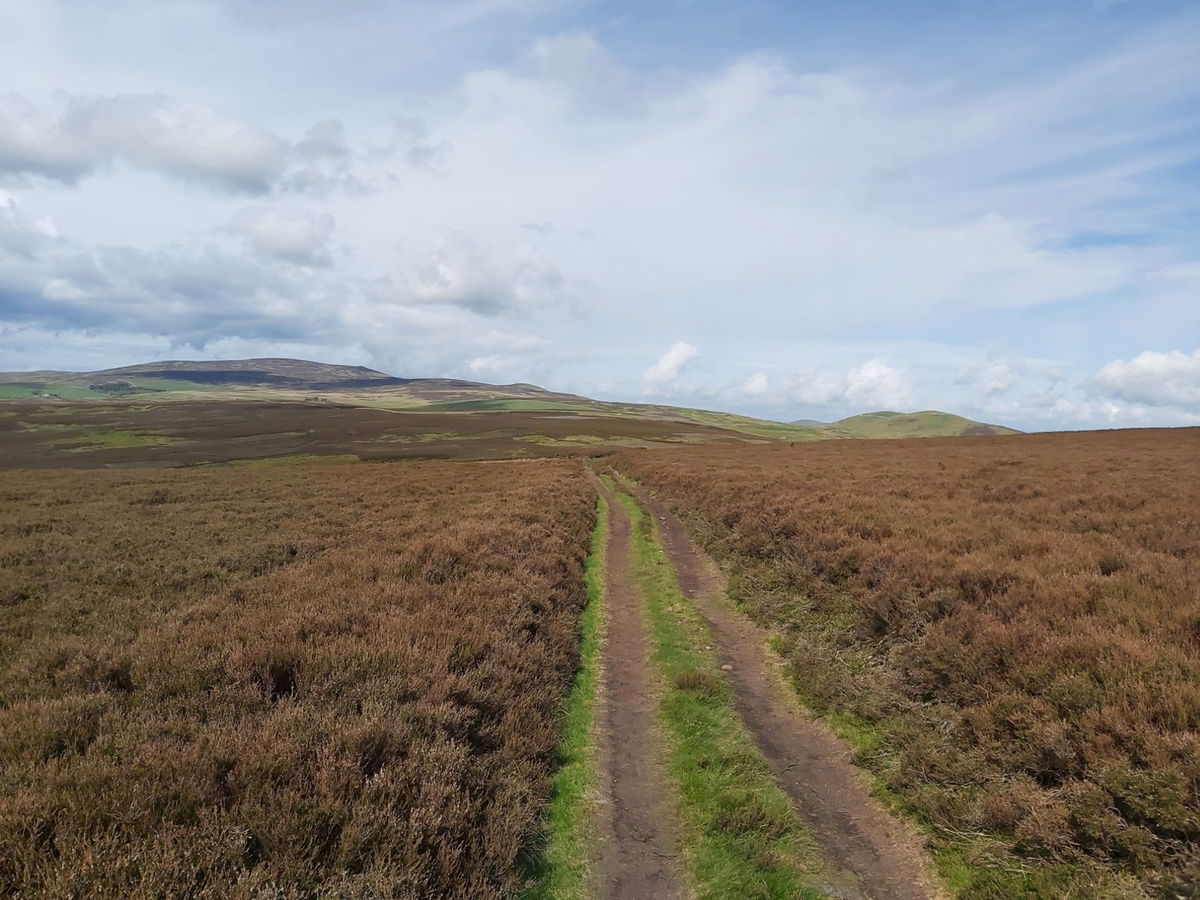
pixel 790 210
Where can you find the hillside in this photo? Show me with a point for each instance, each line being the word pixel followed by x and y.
pixel 295 380
pixel 296 373
pixel 929 423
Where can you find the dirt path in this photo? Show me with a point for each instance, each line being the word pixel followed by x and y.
pixel 810 763
pixel 638 859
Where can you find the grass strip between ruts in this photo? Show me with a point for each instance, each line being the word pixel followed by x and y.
pixel 739 834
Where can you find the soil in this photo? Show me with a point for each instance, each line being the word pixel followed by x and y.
pixel 639 855
pixel 811 764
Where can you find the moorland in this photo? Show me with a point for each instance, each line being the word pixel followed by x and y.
pixel 254 641
pixel 183 413
pixel 1006 629
pixel 339 680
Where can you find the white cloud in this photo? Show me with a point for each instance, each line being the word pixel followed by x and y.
pixel 287 233
pixel 663 376
pixel 461 271
pixel 989 379
pixel 21 238
pixel 877 384
pixel 770 210
pixel 1152 378
pixel 324 140
pixel 580 64
pixel 757 385
pixel 73 136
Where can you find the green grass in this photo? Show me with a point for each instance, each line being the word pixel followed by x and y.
pixel 111 439
pixel 499 404
pixel 886 424
pixel 165 385
pixel 589 440
pixel 292 460
pixel 50 390
pixel 570 838
pixel 764 428
pixel 427 437
pixel 740 836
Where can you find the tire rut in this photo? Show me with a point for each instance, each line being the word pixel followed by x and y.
pixel 855 833
pixel 638 858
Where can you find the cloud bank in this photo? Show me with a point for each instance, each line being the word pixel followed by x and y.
pixel 1010 234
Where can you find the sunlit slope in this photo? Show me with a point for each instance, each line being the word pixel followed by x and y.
pixel 929 423
pixel 295 380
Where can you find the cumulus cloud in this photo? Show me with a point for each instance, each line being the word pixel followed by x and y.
pixel 663 377
pixel 989 379
pixel 757 385
pixel 73 136
pixel 461 271
pixel 20 237
pixel 286 233
pixel 758 201
pixel 191 293
pixel 269 292
pixel 206 297
pixel 875 384
pixel 1152 378
pixel 324 140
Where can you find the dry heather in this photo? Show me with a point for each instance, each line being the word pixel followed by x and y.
pixel 1008 627
pixel 335 680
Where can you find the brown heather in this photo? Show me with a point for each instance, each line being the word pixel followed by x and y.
pixel 285 681
pixel 1010 627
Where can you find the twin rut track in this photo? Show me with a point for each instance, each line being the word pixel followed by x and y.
pixel 638 858
pixel 880 856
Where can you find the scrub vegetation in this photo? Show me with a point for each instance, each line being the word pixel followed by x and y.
pixel 1007 629
pixel 570 841
pixel 286 681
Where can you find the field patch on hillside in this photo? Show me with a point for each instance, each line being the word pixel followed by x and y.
pixel 290 680
pixel 129 434
pixel 1008 629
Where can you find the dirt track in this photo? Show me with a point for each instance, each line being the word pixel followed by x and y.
pixel 855 833
pixel 638 859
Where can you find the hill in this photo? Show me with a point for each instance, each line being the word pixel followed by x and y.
pixel 929 423
pixel 357 386
pixel 297 373
pixel 547 418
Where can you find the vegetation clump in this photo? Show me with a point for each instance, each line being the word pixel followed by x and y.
pixel 1006 628
pixel 286 681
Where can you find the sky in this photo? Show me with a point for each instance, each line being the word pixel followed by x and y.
pixel 780 209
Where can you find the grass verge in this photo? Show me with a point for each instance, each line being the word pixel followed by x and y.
pixel 111 439
pixel 739 833
pixel 569 840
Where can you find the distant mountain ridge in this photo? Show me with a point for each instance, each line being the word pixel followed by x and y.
pixel 307 381
pixel 297 373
